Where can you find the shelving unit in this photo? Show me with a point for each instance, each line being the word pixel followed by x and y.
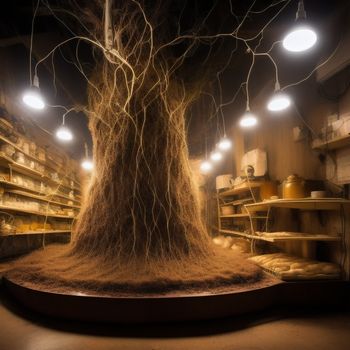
pixel 304 204
pixel 333 144
pixel 331 204
pixel 252 211
pixel 9 184
pixel 241 221
pixel 34 212
pixel 42 198
pixel 54 166
pixel 25 170
pixel 39 189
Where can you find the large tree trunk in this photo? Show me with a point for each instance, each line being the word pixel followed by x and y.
pixel 142 202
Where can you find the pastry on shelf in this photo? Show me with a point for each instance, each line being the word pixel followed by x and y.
pixel 289 267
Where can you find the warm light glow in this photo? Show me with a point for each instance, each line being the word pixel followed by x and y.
pixel 206 167
pixel 225 144
pixel 87 164
pixel 248 120
pixel 216 156
pixel 64 134
pixel 278 102
pixel 300 39
pixel 33 98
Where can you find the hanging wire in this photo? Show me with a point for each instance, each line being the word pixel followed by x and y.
pixel 31 43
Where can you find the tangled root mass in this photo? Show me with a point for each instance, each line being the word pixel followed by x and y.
pixel 140 226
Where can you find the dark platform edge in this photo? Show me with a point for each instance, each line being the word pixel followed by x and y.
pixel 180 307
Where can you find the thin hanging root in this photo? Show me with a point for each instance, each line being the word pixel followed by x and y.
pixel 140 227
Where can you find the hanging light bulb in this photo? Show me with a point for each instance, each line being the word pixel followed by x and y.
pixel 225 144
pixel 64 134
pixel 206 167
pixel 87 164
pixel 216 156
pixel 32 97
pixel 279 101
pixel 302 37
pixel 248 120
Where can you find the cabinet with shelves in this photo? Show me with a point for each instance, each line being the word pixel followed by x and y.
pixel 333 144
pixel 232 215
pixel 308 239
pixel 253 219
pixel 39 186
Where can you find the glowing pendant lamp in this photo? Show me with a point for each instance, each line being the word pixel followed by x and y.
pixel 248 120
pixel 302 37
pixel 206 167
pixel 279 101
pixel 32 97
pixel 224 144
pixel 216 156
pixel 64 134
pixel 87 163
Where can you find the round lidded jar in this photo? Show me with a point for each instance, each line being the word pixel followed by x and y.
pixel 294 187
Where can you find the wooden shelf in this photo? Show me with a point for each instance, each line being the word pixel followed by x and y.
pixel 306 237
pixel 243 216
pixel 25 170
pixel 33 212
pixel 41 198
pixel 245 187
pixel 303 203
pixel 236 233
pixel 237 202
pixel 39 232
pixel 4 139
pixel 56 194
pixel 336 143
pixel 235 216
pixel 299 237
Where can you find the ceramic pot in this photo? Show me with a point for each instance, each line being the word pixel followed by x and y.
pixel 294 187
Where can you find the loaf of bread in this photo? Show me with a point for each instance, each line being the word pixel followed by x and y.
pixel 289 267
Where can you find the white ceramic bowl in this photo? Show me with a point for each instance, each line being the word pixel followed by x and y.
pixel 318 194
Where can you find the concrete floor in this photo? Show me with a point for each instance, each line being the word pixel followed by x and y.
pixel 297 329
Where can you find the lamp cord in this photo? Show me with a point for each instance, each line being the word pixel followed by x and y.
pixel 31 43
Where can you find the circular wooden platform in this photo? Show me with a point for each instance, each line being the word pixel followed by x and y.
pixel 165 308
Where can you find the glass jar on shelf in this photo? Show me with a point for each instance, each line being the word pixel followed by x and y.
pixel 19 158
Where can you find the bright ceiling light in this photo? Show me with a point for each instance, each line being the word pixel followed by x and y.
pixel 300 39
pixel 33 98
pixel 248 120
pixel 216 156
pixel 278 102
pixel 87 164
pixel 206 167
pixel 224 144
pixel 64 134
